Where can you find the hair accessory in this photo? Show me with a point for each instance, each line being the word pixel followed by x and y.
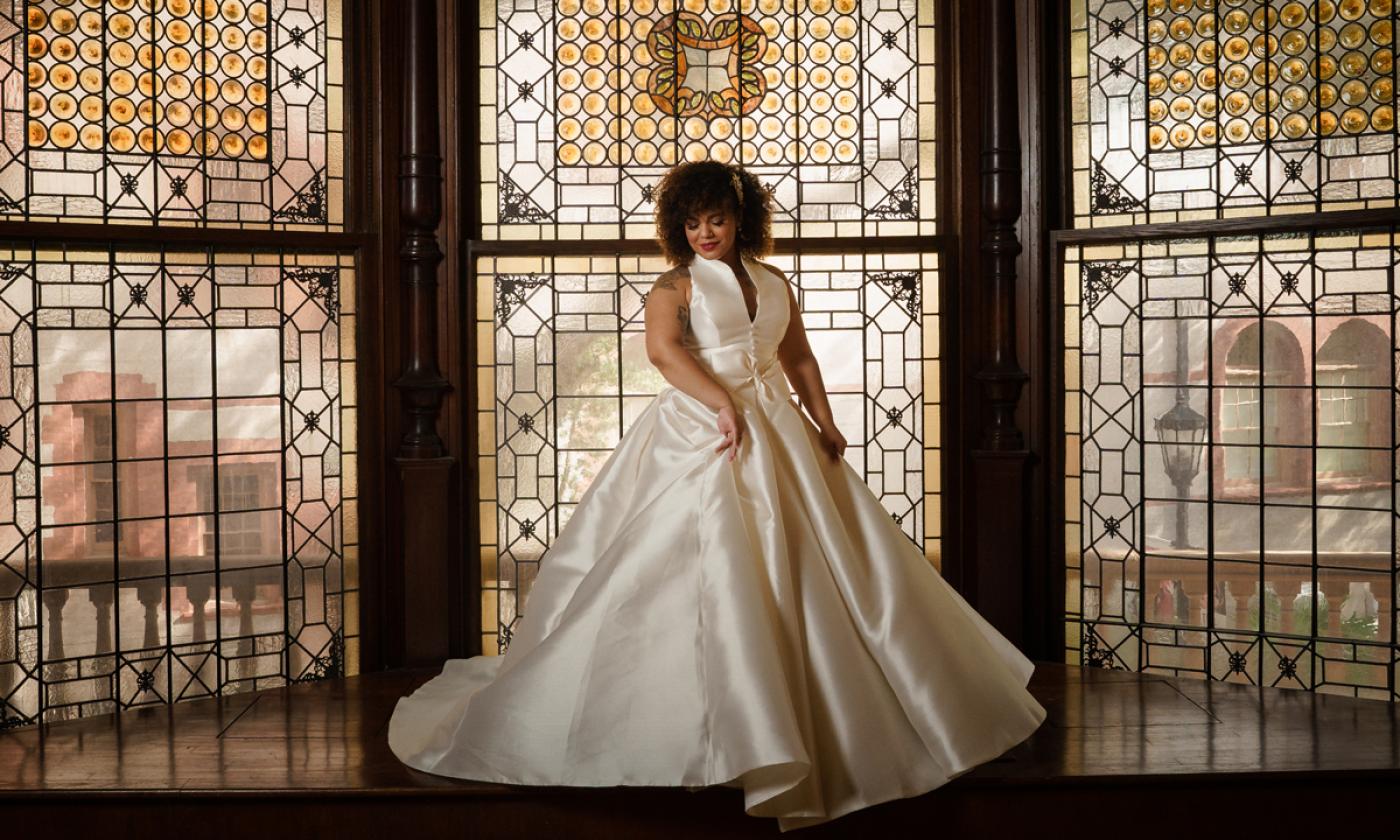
pixel 738 186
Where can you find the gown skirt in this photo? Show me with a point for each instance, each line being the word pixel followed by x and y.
pixel 761 624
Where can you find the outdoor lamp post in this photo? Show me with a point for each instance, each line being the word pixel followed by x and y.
pixel 1181 433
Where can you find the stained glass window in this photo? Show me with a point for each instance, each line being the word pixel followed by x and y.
pixel 178 514
pixel 563 371
pixel 1189 109
pixel 177 482
pixel 1231 497
pixel 586 103
pixel 169 375
pixel 1230 399
pixel 206 112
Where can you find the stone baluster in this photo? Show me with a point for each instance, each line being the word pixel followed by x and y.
pixel 151 593
pixel 54 600
pixel 243 592
pixel 198 594
pixel 101 598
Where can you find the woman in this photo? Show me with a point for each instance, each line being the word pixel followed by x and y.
pixel 729 603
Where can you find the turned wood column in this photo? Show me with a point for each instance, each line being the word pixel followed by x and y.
pixel 1001 459
pixel 424 466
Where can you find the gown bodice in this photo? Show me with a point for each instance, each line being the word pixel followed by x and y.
pixel 739 353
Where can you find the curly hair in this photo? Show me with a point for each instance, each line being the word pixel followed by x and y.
pixel 696 187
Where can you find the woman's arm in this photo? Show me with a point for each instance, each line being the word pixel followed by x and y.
pixel 800 365
pixel 667 321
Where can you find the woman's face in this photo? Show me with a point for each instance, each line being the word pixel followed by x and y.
pixel 712 233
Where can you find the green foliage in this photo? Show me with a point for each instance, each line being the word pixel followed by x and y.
pixel 1360 627
pixel 1273 611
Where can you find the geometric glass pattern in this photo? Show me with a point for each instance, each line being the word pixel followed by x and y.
pixel 172 111
pixel 563 372
pixel 1192 109
pixel 586 104
pixel 1267 554
pixel 178 513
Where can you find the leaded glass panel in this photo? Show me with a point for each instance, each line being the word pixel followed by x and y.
pixel 1260 545
pixel 222 113
pixel 177 487
pixel 586 103
pixel 1190 109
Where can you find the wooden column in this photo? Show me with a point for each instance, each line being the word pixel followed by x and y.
pixel 425 468
pixel 1000 462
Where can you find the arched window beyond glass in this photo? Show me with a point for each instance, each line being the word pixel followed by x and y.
pixel 1190 109
pixel 199 112
pixel 586 103
pixel 1353 403
pixel 1258 546
pixel 1257 407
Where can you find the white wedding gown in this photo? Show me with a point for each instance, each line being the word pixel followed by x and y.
pixel 761 623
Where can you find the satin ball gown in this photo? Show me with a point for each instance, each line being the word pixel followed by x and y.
pixel 761 624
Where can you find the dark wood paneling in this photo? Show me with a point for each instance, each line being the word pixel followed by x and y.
pixel 362 191
pixel 1000 373
pixel 458 46
pixel 961 352
pixel 425 467
pixel 985 450
pixel 381 569
pixel 468 196
pixel 421 383
pixel 949 203
pixel 1039 342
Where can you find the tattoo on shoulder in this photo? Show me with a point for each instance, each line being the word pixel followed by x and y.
pixel 668 280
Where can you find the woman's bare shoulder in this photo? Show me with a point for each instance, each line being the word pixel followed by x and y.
pixel 774 269
pixel 675 278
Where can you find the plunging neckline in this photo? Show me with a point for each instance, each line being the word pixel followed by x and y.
pixel 757 291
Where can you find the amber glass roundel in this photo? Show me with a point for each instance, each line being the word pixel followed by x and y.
pixel 144 58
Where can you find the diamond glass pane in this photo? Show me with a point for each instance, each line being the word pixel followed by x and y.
pixel 1188 109
pixel 198 112
pixel 177 489
pixel 585 105
pixel 1231 479
pixel 563 371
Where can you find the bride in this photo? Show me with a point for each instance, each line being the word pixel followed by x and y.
pixel 729 603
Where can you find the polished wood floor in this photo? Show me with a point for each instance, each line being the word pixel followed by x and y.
pixel 1164 756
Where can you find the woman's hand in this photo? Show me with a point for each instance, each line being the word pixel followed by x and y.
pixel 833 441
pixel 731 425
